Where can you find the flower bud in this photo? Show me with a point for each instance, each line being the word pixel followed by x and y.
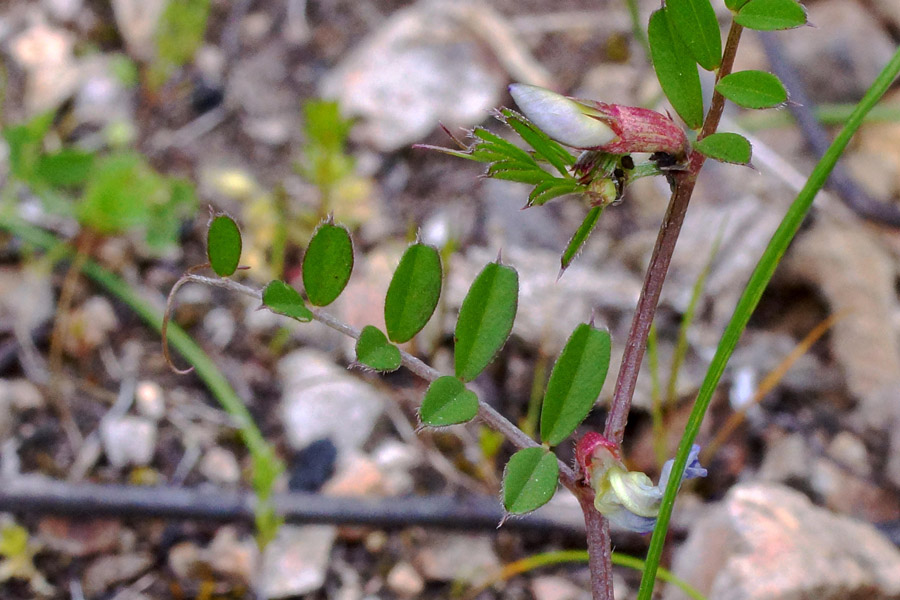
pixel 590 125
pixel 560 117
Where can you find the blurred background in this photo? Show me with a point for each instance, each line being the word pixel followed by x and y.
pixel 124 121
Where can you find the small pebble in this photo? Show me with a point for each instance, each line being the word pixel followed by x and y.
pixel 220 466
pixel 149 400
pixel 405 581
pixel 128 440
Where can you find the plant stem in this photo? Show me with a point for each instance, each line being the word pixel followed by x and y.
pixel 753 291
pixel 662 257
pixel 596 529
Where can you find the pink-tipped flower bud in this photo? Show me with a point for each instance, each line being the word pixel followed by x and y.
pixel 590 125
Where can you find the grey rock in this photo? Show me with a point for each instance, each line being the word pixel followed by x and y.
pixel 219 326
pixel 26 298
pixel 270 118
pixel 63 10
pixel 45 53
pixel 185 559
pixel 769 542
pixel 787 458
pixel 220 466
pixel 320 399
pixel 233 557
pixel 128 440
pixel 296 562
pixel 553 587
pixel 107 571
pixel 508 225
pixel 843 53
pixel 445 556
pixel 137 21
pixel 421 67
pixel 405 581
pixel 102 99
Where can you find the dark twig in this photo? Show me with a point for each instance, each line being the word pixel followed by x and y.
pixel 42 496
pixel 803 110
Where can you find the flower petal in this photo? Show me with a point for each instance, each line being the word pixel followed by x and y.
pixel 636 492
pixel 691 471
pixel 625 519
pixel 561 118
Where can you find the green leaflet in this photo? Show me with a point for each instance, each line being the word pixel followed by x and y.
pixel 771 15
pixel 695 23
pixel 529 480
pixel 581 235
pixel 375 351
pixel 725 147
pixel 414 292
pixel 283 299
pixel 753 89
pixel 575 383
pixel 448 402
pixel 676 70
pixel 485 319
pixel 327 264
pixel 223 245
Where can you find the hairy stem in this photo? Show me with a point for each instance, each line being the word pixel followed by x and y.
pixel 662 257
pixel 596 529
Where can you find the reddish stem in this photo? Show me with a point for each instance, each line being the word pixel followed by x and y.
pixel 662 257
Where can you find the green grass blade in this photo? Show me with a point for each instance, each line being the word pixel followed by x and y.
pixel 681 345
pixel 561 557
pixel 656 409
pixel 746 305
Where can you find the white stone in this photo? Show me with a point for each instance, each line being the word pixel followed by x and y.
pixel 446 556
pixel 220 466
pixel 296 561
pixel 150 400
pixel 322 400
pixel 128 441
pixel 768 542
pixel 405 581
pixel 137 21
pixel 420 67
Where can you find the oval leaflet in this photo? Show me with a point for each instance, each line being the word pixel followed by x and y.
pixel 327 264
pixel 223 245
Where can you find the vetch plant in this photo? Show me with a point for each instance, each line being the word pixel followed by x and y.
pixel 684 37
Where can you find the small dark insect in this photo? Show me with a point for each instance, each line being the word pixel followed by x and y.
pixel 627 162
pixel 664 160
